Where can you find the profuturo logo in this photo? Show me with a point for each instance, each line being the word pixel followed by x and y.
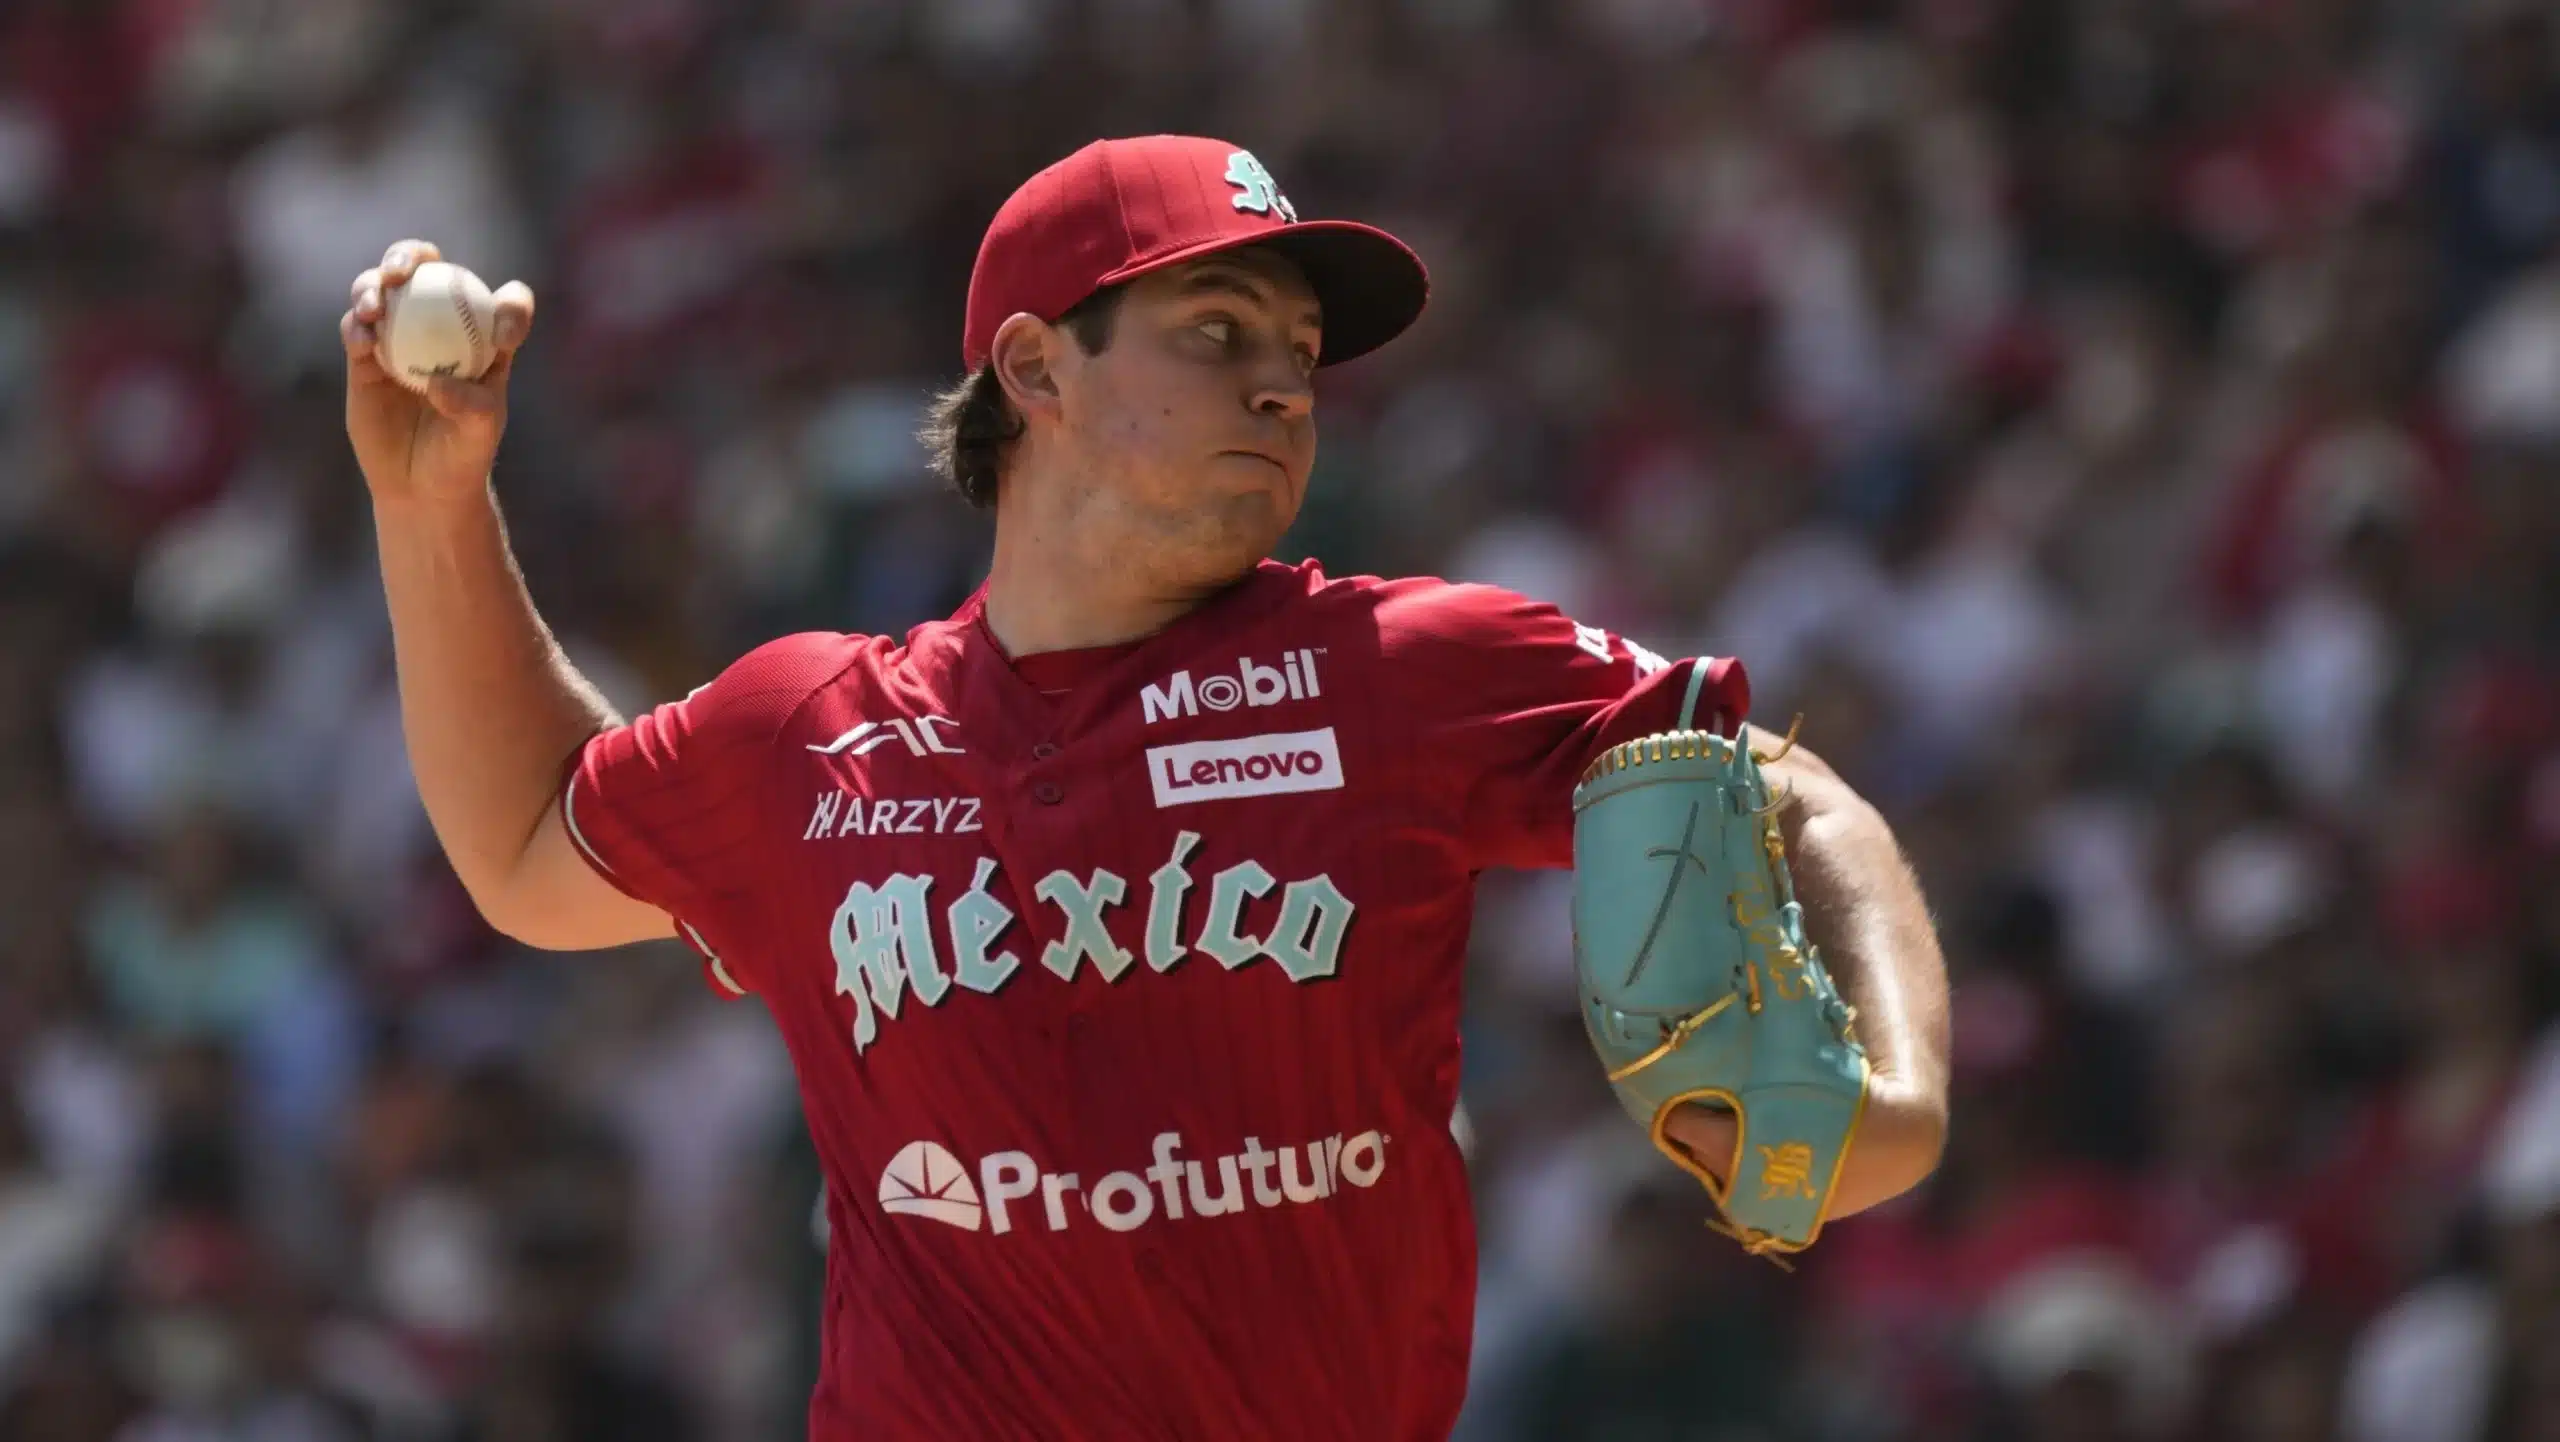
pixel 926 1180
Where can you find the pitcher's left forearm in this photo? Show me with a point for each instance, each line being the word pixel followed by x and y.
pixel 1863 908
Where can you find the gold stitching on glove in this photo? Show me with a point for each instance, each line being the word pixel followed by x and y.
pixel 1679 1035
pixel 1789 743
pixel 1681 746
pixel 1662 746
pixel 1764 1245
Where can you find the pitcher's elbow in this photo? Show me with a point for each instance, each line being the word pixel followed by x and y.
pixel 1898 1145
pixel 1926 1145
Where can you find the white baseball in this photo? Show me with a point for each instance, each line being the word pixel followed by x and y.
pixel 443 322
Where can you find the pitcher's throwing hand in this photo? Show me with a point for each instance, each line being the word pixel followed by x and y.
pixel 441 442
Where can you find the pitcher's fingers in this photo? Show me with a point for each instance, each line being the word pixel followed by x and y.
pixel 514 315
pixel 357 336
pixel 407 256
pixel 367 281
pixel 456 399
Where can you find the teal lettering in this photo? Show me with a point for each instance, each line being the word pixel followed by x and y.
pixel 1228 892
pixel 1312 905
pixel 882 942
pixel 977 919
pixel 1165 890
pixel 1086 933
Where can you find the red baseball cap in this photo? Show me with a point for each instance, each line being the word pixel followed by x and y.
pixel 1118 209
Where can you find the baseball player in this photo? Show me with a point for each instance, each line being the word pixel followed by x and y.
pixel 1115 923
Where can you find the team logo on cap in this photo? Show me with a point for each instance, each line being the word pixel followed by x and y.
pixel 1257 191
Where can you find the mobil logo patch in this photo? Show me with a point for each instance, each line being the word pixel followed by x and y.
pixel 1271 765
pixel 1252 683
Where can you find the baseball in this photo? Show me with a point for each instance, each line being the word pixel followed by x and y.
pixel 442 323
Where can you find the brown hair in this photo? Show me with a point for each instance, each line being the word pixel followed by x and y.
pixel 968 426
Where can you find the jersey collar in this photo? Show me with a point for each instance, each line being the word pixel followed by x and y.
pixel 1084 672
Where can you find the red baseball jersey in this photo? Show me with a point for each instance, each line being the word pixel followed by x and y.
pixel 1123 985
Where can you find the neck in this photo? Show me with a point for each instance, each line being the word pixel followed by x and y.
pixel 1044 594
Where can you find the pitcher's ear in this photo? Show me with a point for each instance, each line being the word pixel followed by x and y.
pixel 1023 360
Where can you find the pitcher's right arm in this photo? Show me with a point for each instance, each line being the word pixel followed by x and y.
pixel 492 709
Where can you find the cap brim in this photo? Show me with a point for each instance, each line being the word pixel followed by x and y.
pixel 1371 285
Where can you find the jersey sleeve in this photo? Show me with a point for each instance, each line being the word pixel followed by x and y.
pixel 675 808
pixel 1516 699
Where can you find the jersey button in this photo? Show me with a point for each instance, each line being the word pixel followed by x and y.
pixel 1049 793
pixel 1044 750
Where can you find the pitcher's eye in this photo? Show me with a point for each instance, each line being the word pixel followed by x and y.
pixel 1219 330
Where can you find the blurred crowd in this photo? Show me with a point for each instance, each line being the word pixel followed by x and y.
pixel 2127 431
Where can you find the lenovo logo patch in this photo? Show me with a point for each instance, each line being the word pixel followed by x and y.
pixel 1247 766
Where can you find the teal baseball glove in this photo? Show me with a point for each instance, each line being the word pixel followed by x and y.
pixel 1697 982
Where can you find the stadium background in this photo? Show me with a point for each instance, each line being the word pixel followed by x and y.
pixel 2128 430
